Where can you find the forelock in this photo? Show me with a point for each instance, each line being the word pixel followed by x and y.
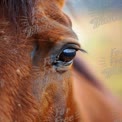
pixel 15 8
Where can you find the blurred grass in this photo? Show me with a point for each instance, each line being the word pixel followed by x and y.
pixel 99 43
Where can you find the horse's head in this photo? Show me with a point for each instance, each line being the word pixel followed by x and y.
pixel 37 47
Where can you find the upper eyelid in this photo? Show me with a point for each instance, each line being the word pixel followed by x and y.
pixel 73 46
pixel 65 46
pixel 70 46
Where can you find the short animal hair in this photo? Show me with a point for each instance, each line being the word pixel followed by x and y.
pixel 13 8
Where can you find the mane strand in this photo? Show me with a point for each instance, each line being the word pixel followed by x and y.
pixel 15 8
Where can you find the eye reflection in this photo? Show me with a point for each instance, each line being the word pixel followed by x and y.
pixel 67 55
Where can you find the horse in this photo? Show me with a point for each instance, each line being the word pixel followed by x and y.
pixel 43 75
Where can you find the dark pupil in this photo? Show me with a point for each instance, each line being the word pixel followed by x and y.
pixel 67 55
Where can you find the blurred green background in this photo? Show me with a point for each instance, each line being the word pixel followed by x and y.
pixel 98 24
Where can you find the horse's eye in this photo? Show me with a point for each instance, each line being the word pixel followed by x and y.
pixel 67 55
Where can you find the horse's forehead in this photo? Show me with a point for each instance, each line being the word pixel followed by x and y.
pixel 48 22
